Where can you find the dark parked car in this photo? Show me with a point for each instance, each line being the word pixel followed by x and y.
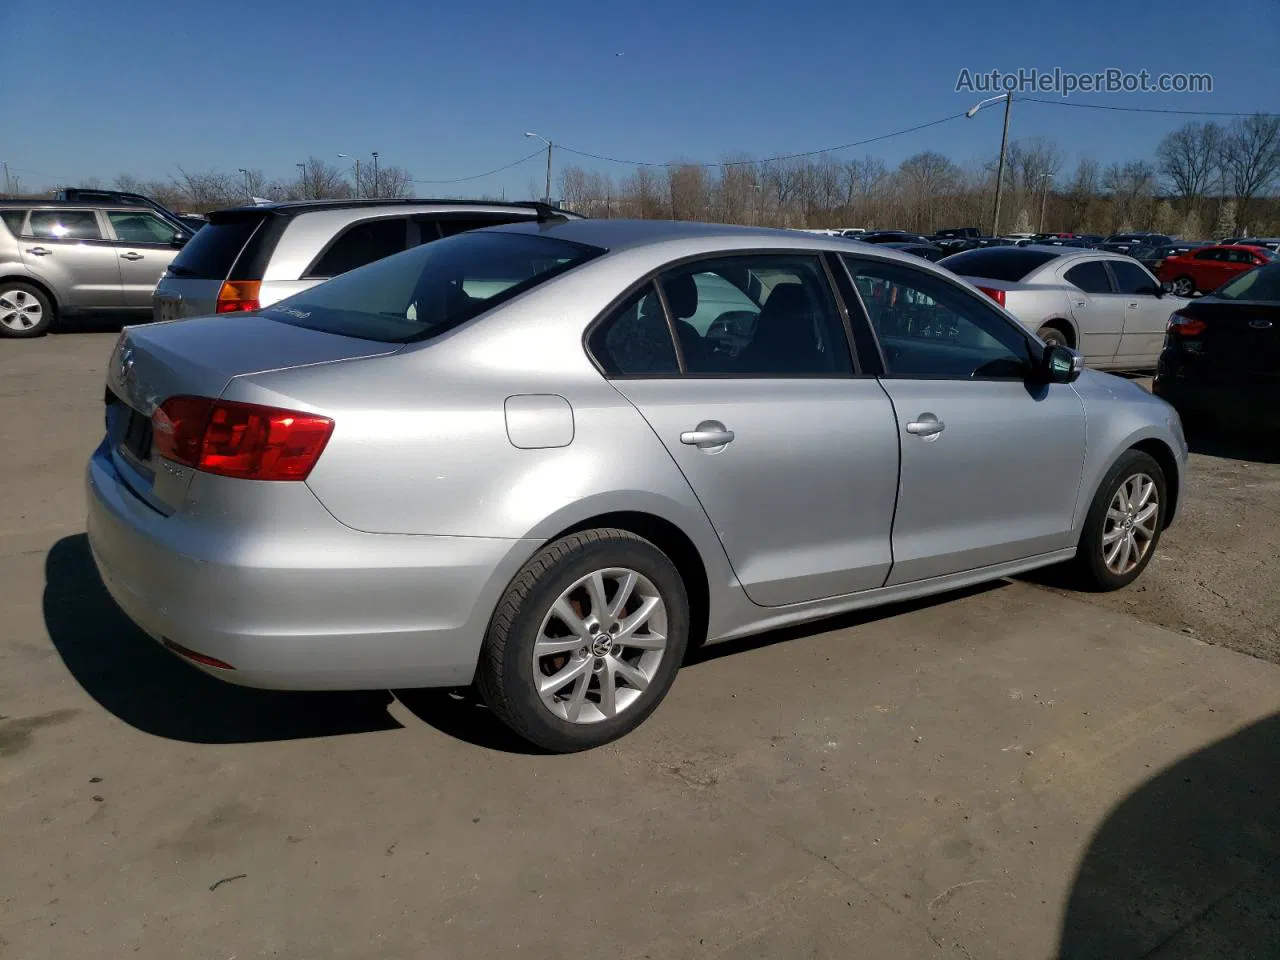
pixel 1221 361
pixel 1269 243
pixel 892 236
pixel 95 197
pixel 1141 239
pixel 927 251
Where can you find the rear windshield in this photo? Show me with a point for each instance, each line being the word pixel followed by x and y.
pixel 211 252
pixel 997 263
pixel 432 288
pixel 1261 285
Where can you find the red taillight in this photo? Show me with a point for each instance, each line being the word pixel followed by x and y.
pixel 994 294
pixel 239 439
pixel 237 296
pixel 1180 325
pixel 198 657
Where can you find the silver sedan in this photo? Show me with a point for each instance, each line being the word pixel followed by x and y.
pixel 550 458
pixel 1105 305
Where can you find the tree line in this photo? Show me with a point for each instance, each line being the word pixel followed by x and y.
pixel 1205 180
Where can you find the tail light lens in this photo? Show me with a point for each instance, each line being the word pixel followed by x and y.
pixel 238 296
pixel 994 294
pixel 242 440
pixel 1180 325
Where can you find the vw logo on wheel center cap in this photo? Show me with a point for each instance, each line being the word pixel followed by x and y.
pixel 601 646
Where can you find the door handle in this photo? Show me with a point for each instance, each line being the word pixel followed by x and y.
pixel 1081 303
pixel 131 256
pixel 1132 304
pixel 39 251
pixel 927 427
pixel 709 433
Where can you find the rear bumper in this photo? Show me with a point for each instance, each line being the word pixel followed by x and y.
pixel 299 601
pixel 1246 404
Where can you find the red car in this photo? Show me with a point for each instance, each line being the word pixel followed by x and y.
pixel 1207 268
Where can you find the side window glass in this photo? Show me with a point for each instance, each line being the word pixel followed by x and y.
pixel 635 341
pixel 449 225
pixel 1090 276
pixel 140 227
pixel 362 243
pixel 757 316
pixel 64 225
pixel 930 329
pixel 1133 280
pixel 13 220
pixel 1207 255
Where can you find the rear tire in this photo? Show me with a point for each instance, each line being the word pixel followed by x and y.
pixel 1052 335
pixel 25 311
pixel 1121 531
pixel 556 666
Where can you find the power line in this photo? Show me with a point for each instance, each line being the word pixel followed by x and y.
pixel 478 176
pixel 1103 106
pixel 748 163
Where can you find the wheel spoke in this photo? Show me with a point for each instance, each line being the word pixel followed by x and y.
pixel 595 590
pixel 637 620
pixel 1145 490
pixel 1112 555
pixel 643 641
pixel 1126 546
pixel 635 679
pixel 549 646
pixel 1113 536
pixel 1114 514
pixel 608 688
pixel 554 683
pixel 563 609
pixel 626 586
pixel 1122 498
pixel 573 706
pixel 1145 518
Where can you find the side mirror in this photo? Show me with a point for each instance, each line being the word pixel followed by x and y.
pixel 1157 291
pixel 1060 364
pixel 179 240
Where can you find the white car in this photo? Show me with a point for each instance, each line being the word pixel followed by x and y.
pixel 1105 305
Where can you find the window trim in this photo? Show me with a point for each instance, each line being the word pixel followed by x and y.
pixel 310 274
pixel 652 276
pixel 1033 346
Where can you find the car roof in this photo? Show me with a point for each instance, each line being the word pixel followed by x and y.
pixel 75 205
pixel 304 206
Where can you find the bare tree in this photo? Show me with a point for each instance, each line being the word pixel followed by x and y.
pixel 1251 160
pixel 1083 193
pixel 323 181
pixel 1190 160
pixel 204 191
pixel 1132 186
pixel 926 178
pixel 393 182
pixel 1028 161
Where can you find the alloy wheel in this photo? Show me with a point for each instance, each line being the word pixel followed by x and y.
pixel 600 645
pixel 1130 525
pixel 19 310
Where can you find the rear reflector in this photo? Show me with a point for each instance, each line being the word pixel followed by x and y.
pixel 1180 325
pixel 994 294
pixel 203 658
pixel 237 296
pixel 242 440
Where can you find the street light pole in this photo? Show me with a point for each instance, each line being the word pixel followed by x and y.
pixel 248 190
pixel 1004 142
pixel 356 161
pixel 7 188
pixel 547 196
pixel 302 176
pixel 376 191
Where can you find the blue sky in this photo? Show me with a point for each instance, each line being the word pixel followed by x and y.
pixel 446 89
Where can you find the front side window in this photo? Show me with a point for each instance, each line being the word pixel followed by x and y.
pixel 64 225
pixel 634 340
pixel 1090 276
pixel 1132 280
pixel 930 329
pixel 362 243
pixel 140 227
pixel 1209 255
pixel 432 288
pixel 757 316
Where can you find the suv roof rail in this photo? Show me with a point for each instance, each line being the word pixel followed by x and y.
pixel 545 212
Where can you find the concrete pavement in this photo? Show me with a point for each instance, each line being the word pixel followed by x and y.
pixel 1008 772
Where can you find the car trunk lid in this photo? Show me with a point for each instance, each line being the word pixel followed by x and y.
pixel 199 358
pixel 1225 341
pixel 232 246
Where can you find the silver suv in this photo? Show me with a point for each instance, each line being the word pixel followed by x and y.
pixel 58 259
pixel 247 258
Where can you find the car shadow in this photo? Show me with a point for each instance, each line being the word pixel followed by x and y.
pixel 463 715
pixel 1188 865
pixel 1263 447
pixel 150 689
pixel 106 322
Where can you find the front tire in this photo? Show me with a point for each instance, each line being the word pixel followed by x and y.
pixel 1124 523
pixel 1052 335
pixel 586 641
pixel 1184 287
pixel 24 311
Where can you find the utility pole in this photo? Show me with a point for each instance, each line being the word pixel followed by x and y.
pixel 376 191
pixel 1004 142
pixel 248 190
pixel 1044 199
pixel 356 161
pixel 302 176
pixel 7 188
pixel 528 133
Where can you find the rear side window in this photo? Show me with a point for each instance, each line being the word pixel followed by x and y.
pixel 450 225
pixel 64 225
pixel 634 340
pixel 1212 254
pixel 1004 263
pixel 362 243
pixel 13 220
pixel 1090 276
pixel 212 252
pixel 431 288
